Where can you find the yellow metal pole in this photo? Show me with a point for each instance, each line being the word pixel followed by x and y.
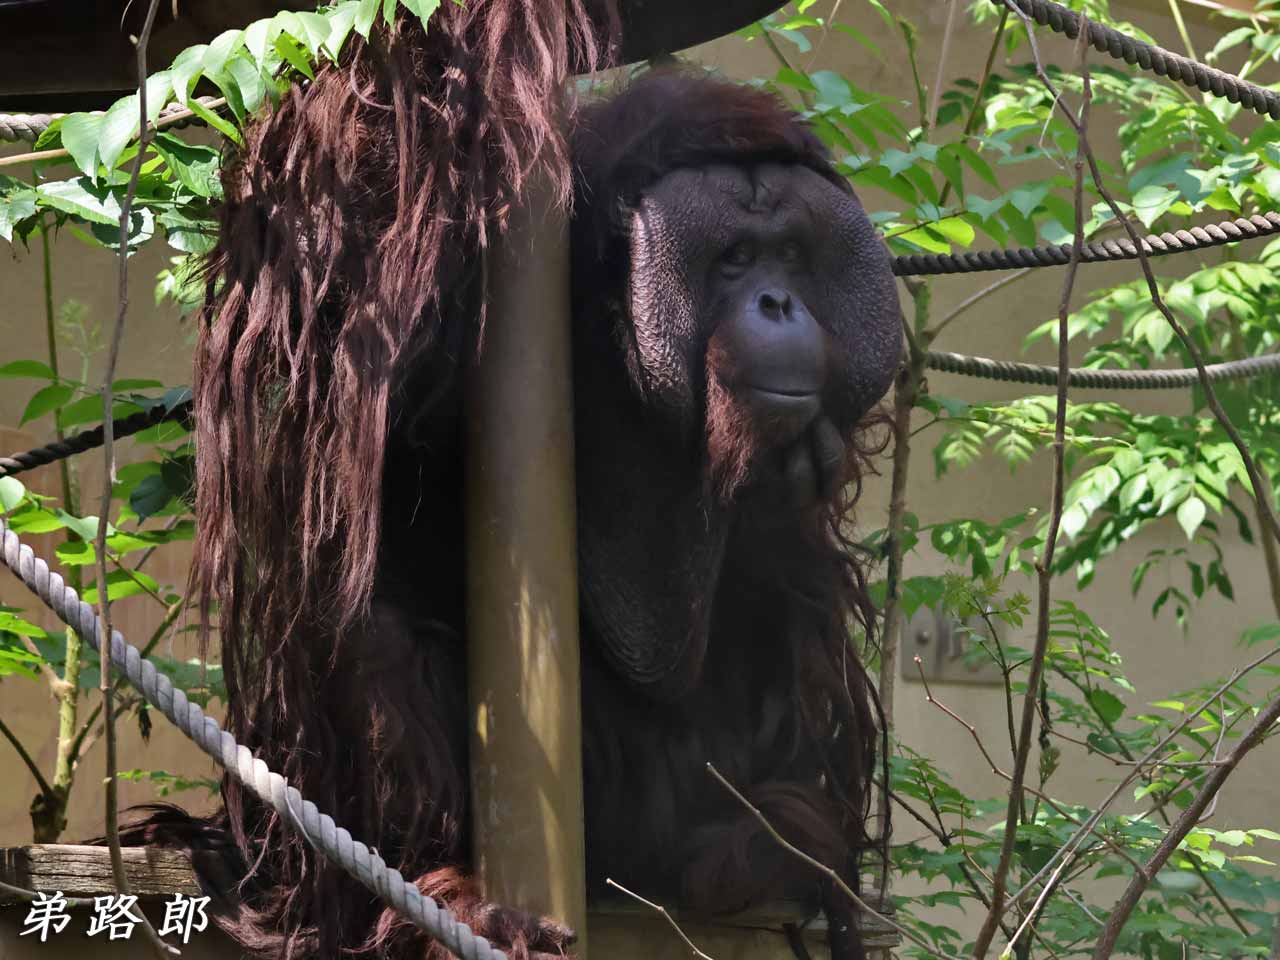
pixel 522 593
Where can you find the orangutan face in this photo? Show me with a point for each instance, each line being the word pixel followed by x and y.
pixel 763 306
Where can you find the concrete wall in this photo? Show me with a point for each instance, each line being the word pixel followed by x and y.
pixel 1159 657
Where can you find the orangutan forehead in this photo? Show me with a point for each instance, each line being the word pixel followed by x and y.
pixel 699 208
pixel 759 189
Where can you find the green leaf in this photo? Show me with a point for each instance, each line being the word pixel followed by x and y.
pixel 212 119
pixel 17 203
pixel 119 126
pixel 28 368
pixel 1267 633
pixel 121 584
pixel 921 237
pixel 150 496
pixel 258 35
pixel 1191 515
pixel 289 49
pixel 188 234
pixel 422 8
pixel 196 167
pixel 82 198
pixel 12 493
pixel 35 521
pixel 1108 706
pixel 80 135
pixel 315 31
pixel 159 86
pixel 186 70
pixel 366 13
pixel 340 23
pixel 220 50
pixel 1026 199
pixel 47 400
pixel 1151 202
pixel 251 88
pixel 954 229
pixel 85 527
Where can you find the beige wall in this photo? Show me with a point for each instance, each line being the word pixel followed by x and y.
pixel 1159 658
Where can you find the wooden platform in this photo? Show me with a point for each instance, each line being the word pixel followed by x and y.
pixel 618 930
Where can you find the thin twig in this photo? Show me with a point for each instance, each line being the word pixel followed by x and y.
pixel 976 298
pixel 979 95
pixel 1176 9
pixel 78 744
pixel 105 685
pixel 1044 568
pixel 781 57
pixel 661 911
pixel 822 868
pixel 995 769
pixel 26 759
pixel 1181 827
pixel 935 95
pixel 29 896
pixel 906 393
pixel 1068 849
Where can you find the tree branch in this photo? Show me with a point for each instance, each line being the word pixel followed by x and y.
pixel 662 912
pixel 823 869
pixel 105 685
pixel 1044 567
pixel 1181 827
pixel 26 759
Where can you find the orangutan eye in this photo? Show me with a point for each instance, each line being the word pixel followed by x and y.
pixel 789 252
pixel 740 255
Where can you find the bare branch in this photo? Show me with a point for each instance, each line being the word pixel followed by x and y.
pixel 978 297
pixel 105 685
pixel 1044 567
pixel 29 896
pixel 1191 816
pixel 823 869
pixel 935 94
pixel 26 759
pixel 1068 849
pixel 661 911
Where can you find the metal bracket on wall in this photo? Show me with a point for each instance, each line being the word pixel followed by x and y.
pixel 949 649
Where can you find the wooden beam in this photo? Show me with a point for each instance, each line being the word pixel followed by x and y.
pixel 81 871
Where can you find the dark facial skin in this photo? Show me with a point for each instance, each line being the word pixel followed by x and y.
pixel 761 324
pixel 791 315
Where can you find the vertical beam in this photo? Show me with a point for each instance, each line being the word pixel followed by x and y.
pixel 522 594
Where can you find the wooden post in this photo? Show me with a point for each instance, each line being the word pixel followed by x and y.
pixel 522 593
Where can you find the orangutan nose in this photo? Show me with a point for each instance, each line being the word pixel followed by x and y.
pixel 775 305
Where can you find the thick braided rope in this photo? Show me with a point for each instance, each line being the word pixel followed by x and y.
pixel 1100 379
pixel 318 828
pixel 1159 61
pixel 1095 251
pixel 17 127
pixel 91 439
pixel 958 363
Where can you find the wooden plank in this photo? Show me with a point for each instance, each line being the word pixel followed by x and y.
pixel 81 871
pixel 628 928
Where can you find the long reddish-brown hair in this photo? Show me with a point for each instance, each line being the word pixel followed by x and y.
pixel 355 223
